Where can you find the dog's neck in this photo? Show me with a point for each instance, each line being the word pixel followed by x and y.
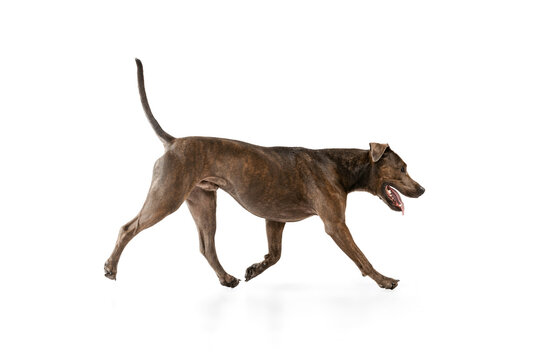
pixel 353 167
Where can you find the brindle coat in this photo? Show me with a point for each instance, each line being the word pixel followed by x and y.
pixel 279 184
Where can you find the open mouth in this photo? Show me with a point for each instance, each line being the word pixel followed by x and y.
pixel 394 198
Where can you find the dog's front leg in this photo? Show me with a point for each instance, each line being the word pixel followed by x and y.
pixel 343 238
pixel 274 232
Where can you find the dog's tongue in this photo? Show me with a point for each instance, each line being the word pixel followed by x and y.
pixel 396 196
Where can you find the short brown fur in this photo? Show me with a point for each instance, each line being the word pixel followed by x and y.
pixel 279 184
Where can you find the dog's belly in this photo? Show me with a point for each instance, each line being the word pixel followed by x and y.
pixel 276 211
pixel 275 204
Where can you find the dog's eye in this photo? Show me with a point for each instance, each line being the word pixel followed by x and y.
pixel 403 169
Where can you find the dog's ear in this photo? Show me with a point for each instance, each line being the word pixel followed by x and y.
pixel 376 151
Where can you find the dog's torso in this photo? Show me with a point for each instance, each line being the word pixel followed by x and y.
pixel 278 183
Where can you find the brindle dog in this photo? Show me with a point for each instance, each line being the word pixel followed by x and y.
pixel 279 184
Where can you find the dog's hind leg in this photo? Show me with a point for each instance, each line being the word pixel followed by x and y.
pixel 166 194
pixel 202 205
pixel 274 232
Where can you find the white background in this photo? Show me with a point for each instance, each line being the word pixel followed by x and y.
pixel 453 87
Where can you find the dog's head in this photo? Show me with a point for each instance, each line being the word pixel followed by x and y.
pixel 389 177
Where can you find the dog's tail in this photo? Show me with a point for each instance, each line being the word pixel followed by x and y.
pixel 165 138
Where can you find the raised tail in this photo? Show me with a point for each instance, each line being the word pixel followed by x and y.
pixel 165 138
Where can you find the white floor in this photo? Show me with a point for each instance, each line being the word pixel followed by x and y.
pixel 463 296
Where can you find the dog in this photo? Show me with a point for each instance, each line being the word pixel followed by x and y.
pixel 279 184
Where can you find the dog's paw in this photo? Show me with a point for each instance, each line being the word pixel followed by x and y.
pixel 388 283
pixel 109 271
pixel 259 268
pixel 252 271
pixel 229 281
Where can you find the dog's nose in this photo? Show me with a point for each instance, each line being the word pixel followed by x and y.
pixel 421 190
